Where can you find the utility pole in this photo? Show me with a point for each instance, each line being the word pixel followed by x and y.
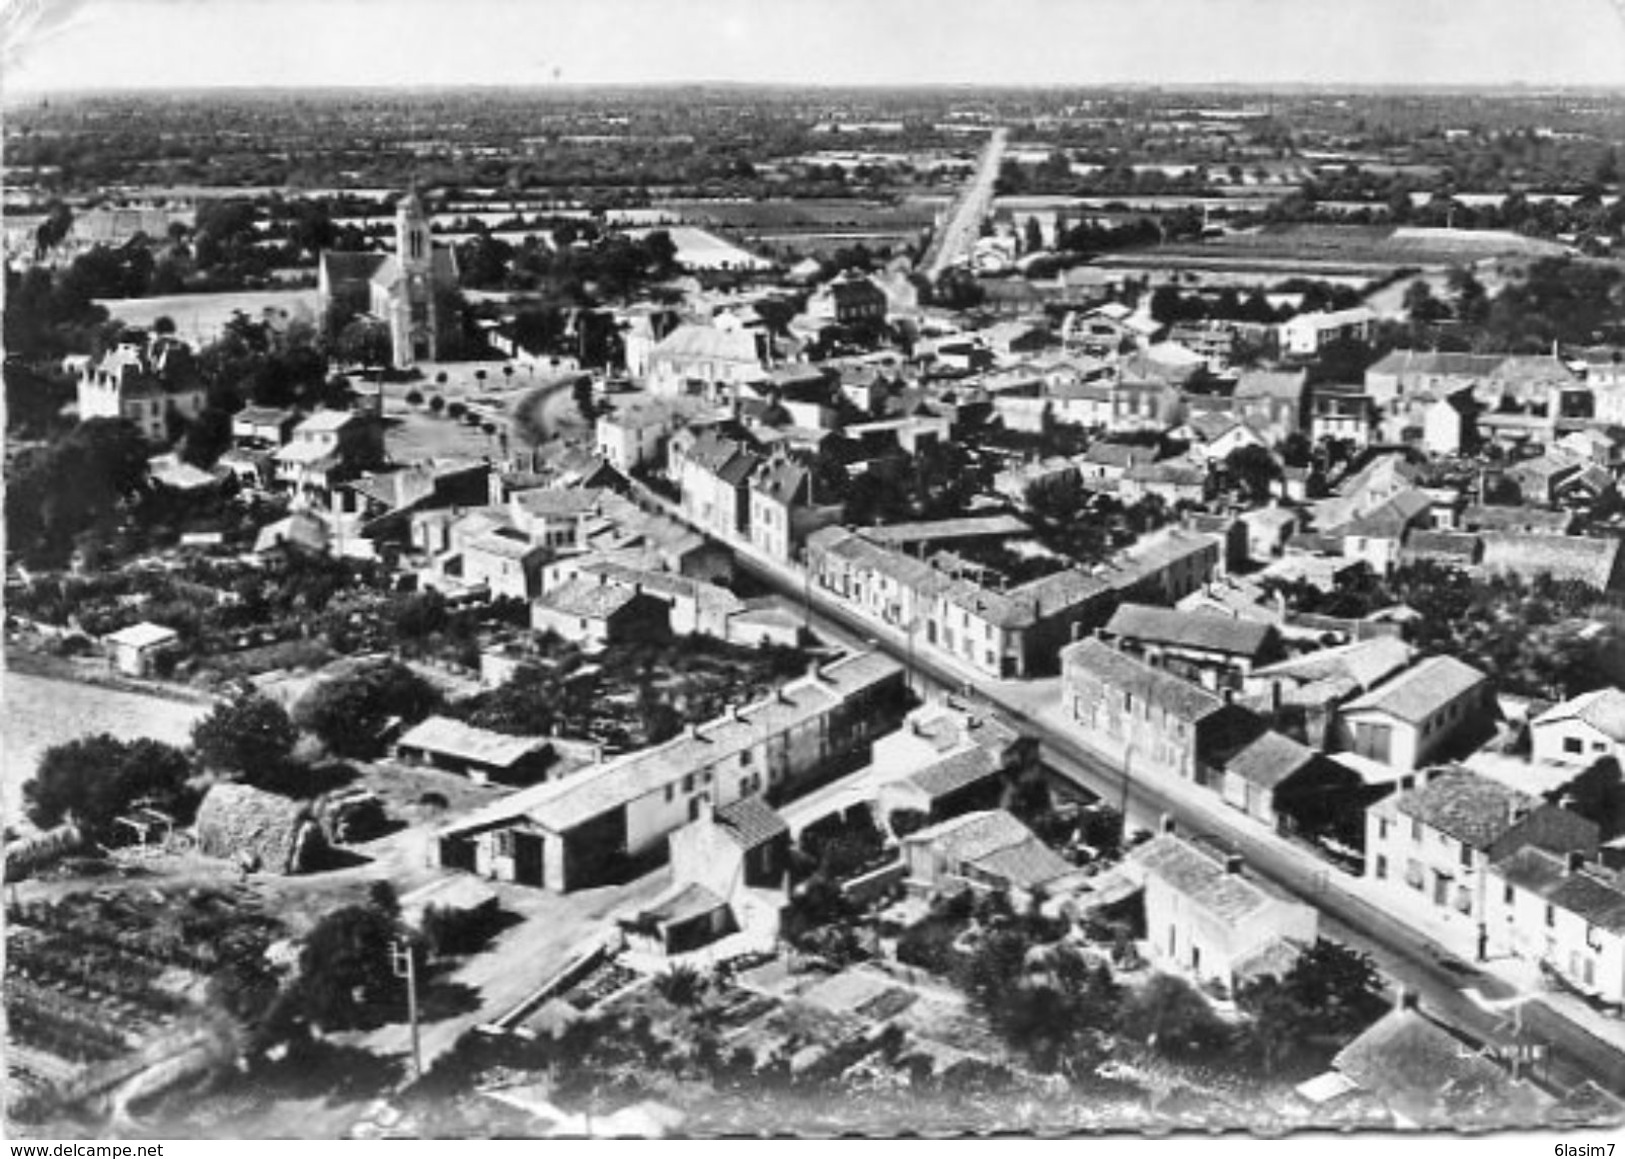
pixel 1128 762
pixel 403 957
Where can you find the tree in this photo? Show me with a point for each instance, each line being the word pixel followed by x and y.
pixel 251 736
pixel 346 964
pixel 1033 236
pixel 1330 994
pixel 1252 469
pixel 1598 794
pixel 90 781
pixel 348 713
pixel 208 436
pixel 1172 1018
pixel 365 343
pixel 582 393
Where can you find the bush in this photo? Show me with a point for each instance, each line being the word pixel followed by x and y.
pixel 437 404
pixel 681 985
pixel 251 736
pixel 92 780
pixel 456 410
pixel 349 713
pixel 414 397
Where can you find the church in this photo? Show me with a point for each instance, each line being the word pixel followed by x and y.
pixel 408 291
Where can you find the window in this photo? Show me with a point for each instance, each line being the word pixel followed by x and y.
pixel 1466 855
pixel 1416 830
pixel 745 758
pixel 1382 867
pixel 671 792
pixel 688 783
pixel 1572 744
pixel 1413 874
pixel 1464 899
pixel 1507 896
pixel 1382 828
pixel 1441 889
pixel 1551 915
pixel 505 843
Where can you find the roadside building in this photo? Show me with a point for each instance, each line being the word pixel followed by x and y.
pixel 507 563
pixel 1211 650
pixel 572 833
pixel 1558 910
pixel 1143 718
pixel 1428 850
pixel 1205 914
pixel 1287 785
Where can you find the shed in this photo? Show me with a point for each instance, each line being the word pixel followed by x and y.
pixel 258 830
pixel 134 649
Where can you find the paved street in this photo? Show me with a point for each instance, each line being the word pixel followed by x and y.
pixel 964 223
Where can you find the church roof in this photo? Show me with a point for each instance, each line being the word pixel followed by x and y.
pixel 343 266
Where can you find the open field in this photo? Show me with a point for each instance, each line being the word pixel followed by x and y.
pixel 200 317
pixel 40 712
pixel 698 249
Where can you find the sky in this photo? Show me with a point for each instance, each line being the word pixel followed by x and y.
pixel 62 45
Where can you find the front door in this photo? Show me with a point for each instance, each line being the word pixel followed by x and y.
pixel 527 859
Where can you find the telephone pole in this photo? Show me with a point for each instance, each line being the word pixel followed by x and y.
pixel 404 958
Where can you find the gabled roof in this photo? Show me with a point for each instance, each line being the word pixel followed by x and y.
pixel 143 635
pixel 1270 760
pixel 708 343
pixel 1365 663
pixel 442 734
pixel 955 772
pixel 1201 878
pixel 341 266
pixel 998 844
pixel 1563 557
pixel 587 599
pixel 1603 710
pixel 1206 631
pixel 1123 455
pixel 1415 695
pixel 1288 385
pixel 750 822
pixel 1429 1076
pixel 1177 697
pixel 1462 804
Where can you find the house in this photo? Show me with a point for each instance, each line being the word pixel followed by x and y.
pixel 329 448
pixel 635 436
pixel 1376 537
pixel 1211 650
pixel 1593 562
pixel 1340 411
pixel 851 299
pixel 1523 520
pixel 1268 529
pixel 596 614
pixel 573 832
pixel 1400 374
pixel 410 291
pixel 135 650
pixel 1305 335
pixel 728 869
pixel 1538 479
pixel 1286 785
pixel 257 830
pixel 1205 914
pixel 1582 730
pixel 1445 426
pixel 1105 462
pixel 707 361
pixel 1082 403
pixel 1428 850
pixel 1143 718
pixel 1430 1078
pixel 155 385
pixel 557 518
pixel 506 563
pixel 1555 909
pixel 1167 565
pixel 1406 721
pixel 1457 549
pixel 1308 690
pixel 1214 437
pixel 479 754
pixel 985 852
pixel 713 475
pixel 693 606
pixel 262 427
pixel 1173 481
pixel 949 759
pixel 1272 401
pixel 782 512
pixel 1212 340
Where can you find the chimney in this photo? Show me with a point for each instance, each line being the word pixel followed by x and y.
pixel 813 671
pixel 1165 823
pixel 1405 998
pixel 1232 864
pixel 707 811
pixel 1229 695
pixel 1275 697
pixel 692 732
pixel 1573 863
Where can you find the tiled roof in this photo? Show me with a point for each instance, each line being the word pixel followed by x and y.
pixel 781 482
pixel 998 844
pixel 142 635
pixel 751 822
pixel 1425 1073
pixel 1415 695
pixel 1282 384
pixel 955 772
pixel 351 267
pixel 1270 760
pixel 588 599
pixel 707 343
pixel 1364 663
pixel 1178 697
pixel 1207 631
pixel 1603 710
pixel 1473 809
pixel 1122 455
pixel 1564 557
pixel 1456 545
pixel 1528 519
pixel 1211 888
pixel 1593 893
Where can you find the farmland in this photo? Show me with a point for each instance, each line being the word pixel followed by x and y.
pixel 41 712
pixel 199 318
pixel 698 249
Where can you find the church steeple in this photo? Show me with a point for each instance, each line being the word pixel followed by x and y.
pixel 411 233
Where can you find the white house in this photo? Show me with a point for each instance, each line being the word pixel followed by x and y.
pixel 1404 721
pixel 1307 333
pixel 1558 910
pixel 1581 730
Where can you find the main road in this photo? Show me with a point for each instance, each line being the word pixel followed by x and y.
pixel 1404 955
pixel 964 224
